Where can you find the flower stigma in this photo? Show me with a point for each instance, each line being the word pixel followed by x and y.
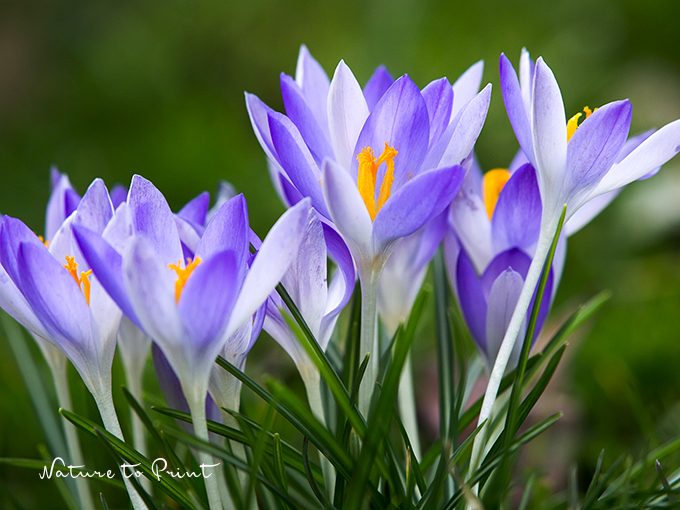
pixel 492 185
pixel 572 124
pixel 183 275
pixel 368 173
pixel 72 267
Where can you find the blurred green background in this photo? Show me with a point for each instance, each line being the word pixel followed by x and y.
pixel 110 89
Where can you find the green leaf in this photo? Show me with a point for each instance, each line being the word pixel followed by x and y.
pixel 59 482
pixel 105 505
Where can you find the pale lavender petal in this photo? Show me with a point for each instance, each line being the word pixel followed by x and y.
pixel 13 233
pixel 228 230
pixel 107 266
pixel 549 130
pixel 348 211
pixel 471 299
pixel 225 191
pixel 313 81
pixel 338 251
pixel 458 141
pixel 95 209
pixel 470 221
pixel 300 113
pixel 119 229
pixel 15 304
pixel 55 298
pixel 650 154
pixel 400 119
pixel 430 239
pixel 347 112
pixel 259 118
pixel 207 299
pixel 516 108
pixel 118 195
pixel 438 96
pixel 55 176
pixel 296 160
pixel 152 218
pixel 150 286
pixel 516 220
pixel 519 160
pixel 188 236
pixel 452 249
pixel 501 303
pixel 196 209
pixel 271 262
pixel 416 203
pixel 61 203
pixel 596 143
pixel 514 258
pixel 377 85
pixel 526 77
pixel 466 87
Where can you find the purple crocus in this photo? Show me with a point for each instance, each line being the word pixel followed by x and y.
pixel 191 308
pixel 376 163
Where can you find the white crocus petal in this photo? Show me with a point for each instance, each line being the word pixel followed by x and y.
pixel 650 154
pixel 548 126
pixel 466 86
pixel 134 348
pixel 271 262
pixel 347 113
pixel 348 212
pixel 473 228
pixel 119 230
pixel 525 79
pixel 503 297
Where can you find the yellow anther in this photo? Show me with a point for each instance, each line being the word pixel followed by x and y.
pixel 572 124
pixel 46 242
pixel 183 275
pixel 368 173
pixel 492 185
pixel 72 267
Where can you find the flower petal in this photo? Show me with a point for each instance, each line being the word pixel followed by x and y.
pixel 196 209
pixel 313 81
pixel 15 304
pixel 471 299
pixel 503 297
pixel 338 296
pixel 300 113
pixel 61 204
pixel 466 87
pixel 516 107
pixel 118 195
pixel 416 203
pixel 271 262
pixel 347 112
pixel 514 258
pixel 438 96
pixel 377 85
pixel 400 118
pixel 228 230
pixel 259 118
pixel 13 233
pixel 470 221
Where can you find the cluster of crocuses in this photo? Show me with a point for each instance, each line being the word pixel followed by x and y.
pixel 375 179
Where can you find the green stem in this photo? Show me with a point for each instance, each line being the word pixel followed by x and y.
pixel 407 406
pixel 134 381
pixel 197 408
pixel 60 376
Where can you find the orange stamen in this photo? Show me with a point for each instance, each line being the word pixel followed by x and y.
pixel 183 275
pixel 572 124
pixel 72 267
pixel 368 173
pixel 492 185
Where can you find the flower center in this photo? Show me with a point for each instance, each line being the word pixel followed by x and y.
pixel 492 185
pixel 183 275
pixel 368 172
pixel 84 280
pixel 572 124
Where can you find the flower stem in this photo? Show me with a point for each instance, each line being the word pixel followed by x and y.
pixel 545 241
pixel 197 408
pixel 134 381
pixel 107 411
pixel 369 337
pixel 60 376
pixel 407 407
pixel 312 380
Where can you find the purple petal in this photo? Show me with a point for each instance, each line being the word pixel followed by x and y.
pixel 152 218
pixel 514 258
pixel 347 113
pixel 348 211
pixel 13 233
pixel 377 85
pixel 338 251
pixel 118 195
pixel 549 131
pixel 228 230
pixel 466 87
pixel 55 298
pixel 650 154
pixel 416 203
pixel 471 297
pixel 196 209
pixel 519 160
pixel 596 143
pixel 299 112
pixel 438 96
pixel 400 118
pixel 503 297
pixel 457 142
pixel 296 160
pixel 259 118
pixel 430 239
pixel 516 221
pixel 61 203
pixel 515 107
pixel 15 304
pixel 313 81
pixel 95 209
pixel 271 262
pixel 107 266
pixel 207 299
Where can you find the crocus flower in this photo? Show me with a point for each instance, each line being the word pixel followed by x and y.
pixel 377 163
pixel 574 164
pixel 191 308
